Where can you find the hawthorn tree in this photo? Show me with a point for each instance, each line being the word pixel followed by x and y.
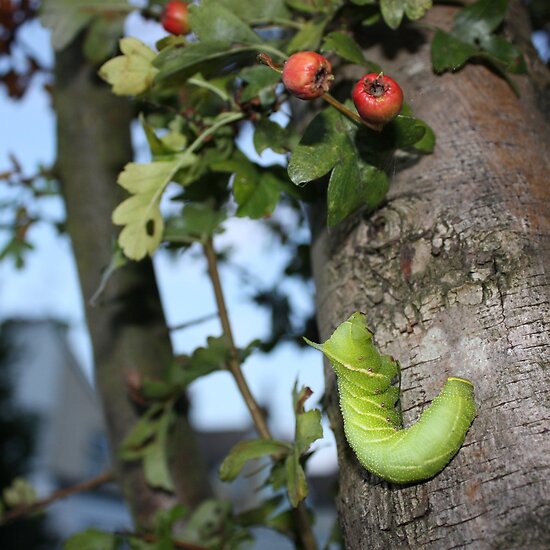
pixel 432 223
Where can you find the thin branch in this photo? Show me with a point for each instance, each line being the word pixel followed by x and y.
pixel 234 361
pixel 303 532
pixel 193 322
pixel 87 485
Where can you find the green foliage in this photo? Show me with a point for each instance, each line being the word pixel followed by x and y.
pixel 92 539
pixel 147 441
pixel 245 451
pixel 19 493
pixel 394 10
pixel 131 73
pixel 332 143
pixel 473 38
pixel 347 48
pixel 102 19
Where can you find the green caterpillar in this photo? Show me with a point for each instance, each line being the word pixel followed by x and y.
pixel 373 425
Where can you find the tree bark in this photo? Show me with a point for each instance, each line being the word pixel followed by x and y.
pixel 128 329
pixel 452 272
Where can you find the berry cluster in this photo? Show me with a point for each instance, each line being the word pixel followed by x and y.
pixel 377 97
pixel 308 75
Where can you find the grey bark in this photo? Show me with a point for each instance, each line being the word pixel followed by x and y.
pixel 453 274
pixel 127 328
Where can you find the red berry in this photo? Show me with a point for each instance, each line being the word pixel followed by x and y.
pixel 307 75
pixel 174 18
pixel 377 98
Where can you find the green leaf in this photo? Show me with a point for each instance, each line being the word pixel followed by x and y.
pixel 450 53
pixel 257 10
pixel 309 36
pixel 345 46
pixel 212 22
pixel 102 37
pixel 306 6
pixel 206 359
pixel 252 449
pixel 140 214
pixel 308 423
pixel 91 539
pixel 392 12
pixel 269 135
pixel 260 514
pixel 185 60
pixel 16 248
pixel 504 53
pixel 257 198
pixel 415 9
pixel 426 143
pixel 164 519
pixel 308 430
pixel 479 19
pixel 155 466
pixel 260 82
pixel 169 144
pixel 256 192
pixel 198 221
pixel 141 433
pixel 344 194
pixel 296 479
pixel 322 146
pixel 19 493
pixel 66 18
pixel 133 72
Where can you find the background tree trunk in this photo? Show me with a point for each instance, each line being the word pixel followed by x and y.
pixel 452 273
pixel 128 328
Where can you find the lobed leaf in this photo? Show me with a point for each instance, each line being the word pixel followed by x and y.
pixel 133 72
pixel 140 214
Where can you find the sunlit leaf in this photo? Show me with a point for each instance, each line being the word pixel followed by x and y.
pixel 140 214
pixel 133 72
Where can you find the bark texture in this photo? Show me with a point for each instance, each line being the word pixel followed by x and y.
pixel 452 273
pixel 127 328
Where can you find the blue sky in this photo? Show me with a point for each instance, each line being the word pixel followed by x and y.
pixel 48 286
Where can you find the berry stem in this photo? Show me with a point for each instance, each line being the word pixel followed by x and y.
pixel 349 113
pixel 264 59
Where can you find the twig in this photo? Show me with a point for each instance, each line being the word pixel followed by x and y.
pixel 303 531
pixel 234 362
pixel 193 322
pixel 87 485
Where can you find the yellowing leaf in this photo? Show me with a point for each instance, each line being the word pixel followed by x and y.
pixel 133 72
pixel 140 214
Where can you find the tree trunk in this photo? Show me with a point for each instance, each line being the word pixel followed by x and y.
pixel 128 328
pixel 452 274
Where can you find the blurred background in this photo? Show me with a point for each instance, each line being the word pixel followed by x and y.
pixel 52 426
